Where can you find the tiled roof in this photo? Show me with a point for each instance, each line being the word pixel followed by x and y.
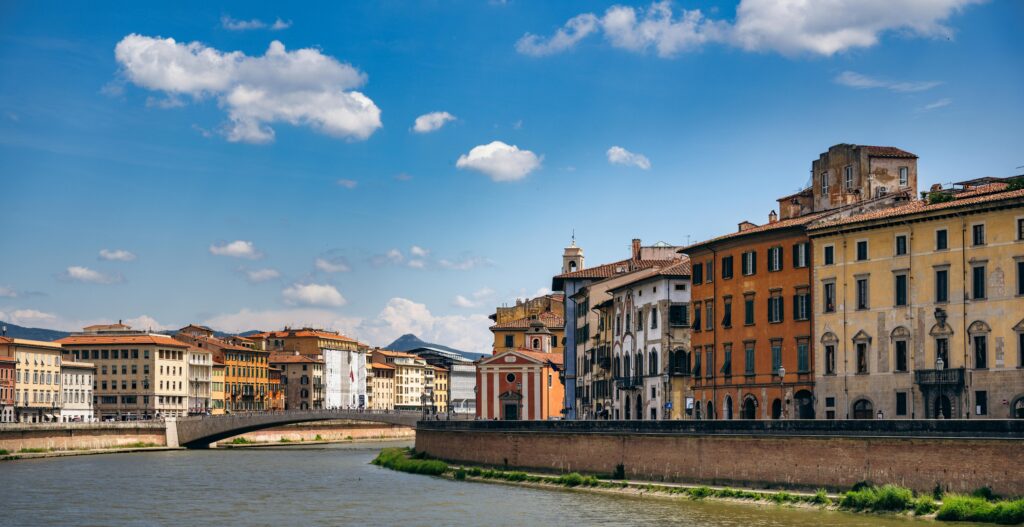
pixel 612 269
pixel 543 357
pixel 216 343
pixel 160 340
pixel 390 353
pixel 986 194
pixel 291 358
pixel 304 333
pixel 550 320
pixel 886 151
pixel 381 366
pixel 767 227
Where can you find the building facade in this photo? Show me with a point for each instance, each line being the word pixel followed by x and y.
pixel 8 371
pixel 77 380
pixel 200 378
pixel 512 322
pixel 246 363
pixel 217 399
pixel 382 387
pixel 36 379
pixel 302 378
pixel 411 391
pixel 440 391
pixel 345 363
pixel 520 385
pixel 919 310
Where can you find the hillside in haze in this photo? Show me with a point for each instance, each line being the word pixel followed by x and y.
pixel 15 331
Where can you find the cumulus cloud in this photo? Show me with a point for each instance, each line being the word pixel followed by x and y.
pixel 261 275
pixel 146 322
pixel 119 255
pixel 313 295
pixel 431 121
pixel 789 27
pixel 418 251
pixel 859 81
pixel 232 24
pixel 248 319
pixel 576 29
pixel 332 265
pixel 78 273
pixel 620 156
pixel 499 161
pixel 36 318
pixel 236 249
pixel 302 87
pixel 475 299
pixel 348 183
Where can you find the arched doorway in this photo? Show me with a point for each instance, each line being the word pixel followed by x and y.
pixel 727 408
pixel 863 409
pixel 943 407
pixel 1018 408
pixel 711 410
pixel 696 410
pixel 749 408
pixel 777 409
pixel 804 404
pixel 627 408
pixel 639 408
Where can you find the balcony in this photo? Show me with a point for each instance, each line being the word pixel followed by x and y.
pixel 950 376
pixel 629 383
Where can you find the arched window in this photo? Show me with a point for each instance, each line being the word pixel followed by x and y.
pixel 304 393
pixel 727 408
pixel 749 407
pixel 863 409
pixel 777 409
pixel 653 362
pixel 638 363
pixel 304 380
pixel 572 266
pixel 979 343
pixel 536 344
pixel 711 410
pixel 804 404
pixel 627 406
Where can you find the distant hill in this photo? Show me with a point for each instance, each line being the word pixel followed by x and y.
pixel 15 331
pixel 410 342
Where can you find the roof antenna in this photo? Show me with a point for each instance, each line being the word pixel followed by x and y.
pixel 574 236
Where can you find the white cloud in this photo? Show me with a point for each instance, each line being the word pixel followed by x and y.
pixel 620 156
pixel 146 322
pixel 261 275
pixel 334 265
pixel 789 27
pixel 236 249
pixel 7 292
pixel 576 29
pixel 418 251
pixel 27 317
pixel 77 273
pixel 431 121
pixel 313 295
pixel 859 81
pixel 499 161
pixel 248 319
pixel 477 299
pixel 35 318
pixel 301 88
pixel 941 103
pixel 232 24
pixel 348 183
pixel 467 263
pixel 120 255
pixel 417 264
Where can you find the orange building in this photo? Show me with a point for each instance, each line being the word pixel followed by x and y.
pixel 246 369
pixel 519 384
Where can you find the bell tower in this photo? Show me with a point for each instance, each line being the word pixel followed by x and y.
pixel 572 257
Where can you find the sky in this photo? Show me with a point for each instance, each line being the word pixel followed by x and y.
pixel 381 168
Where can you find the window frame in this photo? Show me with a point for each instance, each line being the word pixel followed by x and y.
pixel 905 238
pixel 904 176
pixel 974 234
pixel 848 178
pixel 828 254
pixel 867 250
pixel 945 239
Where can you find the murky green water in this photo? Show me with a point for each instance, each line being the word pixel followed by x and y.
pixel 332 485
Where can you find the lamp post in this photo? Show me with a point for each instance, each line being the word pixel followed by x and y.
pixel 939 366
pixel 782 390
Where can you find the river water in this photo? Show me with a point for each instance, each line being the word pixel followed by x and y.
pixel 332 485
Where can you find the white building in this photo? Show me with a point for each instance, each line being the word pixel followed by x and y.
pixel 344 378
pixel 76 392
pixel 200 378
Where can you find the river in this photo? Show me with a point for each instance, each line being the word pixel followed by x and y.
pixel 332 485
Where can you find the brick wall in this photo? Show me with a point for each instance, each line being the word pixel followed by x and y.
pixel 73 436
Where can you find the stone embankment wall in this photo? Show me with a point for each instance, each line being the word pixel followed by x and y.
pixel 958 455
pixel 328 431
pixel 80 436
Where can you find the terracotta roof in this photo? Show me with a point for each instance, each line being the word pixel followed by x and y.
pixel 550 320
pixel 160 340
pixel 612 269
pixel 291 358
pixel 95 327
pixel 381 366
pixel 963 199
pixel 886 151
pixel 302 333
pixel 555 358
pixel 218 344
pixel 390 353
pixel 440 368
pixel 767 227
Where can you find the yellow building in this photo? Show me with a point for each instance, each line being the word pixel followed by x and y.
pixel 382 389
pixel 37 379
pixel 246 367
pixel 511 323
pixel 411 390
pixel 440 390
pixel 919 309
pixel 217 388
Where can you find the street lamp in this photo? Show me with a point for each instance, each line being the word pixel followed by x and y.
pixel 939 366
pixel 782 391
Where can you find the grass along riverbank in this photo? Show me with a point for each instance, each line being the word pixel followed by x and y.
pixel 36 453
pixel 981 506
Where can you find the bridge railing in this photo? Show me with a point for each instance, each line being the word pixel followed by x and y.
pixel 341 413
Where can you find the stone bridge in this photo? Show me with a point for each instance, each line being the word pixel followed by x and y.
pixel 201 431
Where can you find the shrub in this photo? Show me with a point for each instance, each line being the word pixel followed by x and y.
pixel 1016 183
pixel 474 471
pixel 985 493
pixel 700 493
pixel 285 440
pixel 569 480
pixel 884 498
pixel 939 197
pixel 33 450
pixel 937 492
pixel 820 498
pixel 620 472
pixel 972 508
pixel 460 474
pixel 924 505
pixel 3 452
pixel 240 441
pixel 399 459
pixel 515 476
pixel 318 438
pixel 782 497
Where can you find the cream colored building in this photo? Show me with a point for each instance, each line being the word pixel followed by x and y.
pixel 138 374
pixel 919 309
pixel 382 388
pixel 200 379
pixel 36 380
pixel 440 391
pixel 76 392
pixel 410 378
pixel 217 395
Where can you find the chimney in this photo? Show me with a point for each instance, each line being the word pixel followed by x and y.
pixel 772 217
pixel 636 248
pixel 746 225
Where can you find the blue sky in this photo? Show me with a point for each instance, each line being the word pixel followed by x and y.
pixel 216 169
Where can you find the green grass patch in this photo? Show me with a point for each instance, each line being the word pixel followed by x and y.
pixel 924 505
pixel 284 440
pixel 976 509
pixel 878 499
pixel 138 444
pixel 3 452
pixel 318 438
pixel 33 450
pixel 820 497
pixel 575 479
pixel 699 493
pixel 240 441
pixel 399 459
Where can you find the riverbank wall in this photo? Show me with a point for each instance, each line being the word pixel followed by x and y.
pixel 80 436
pixel 326 431
pixel 958 456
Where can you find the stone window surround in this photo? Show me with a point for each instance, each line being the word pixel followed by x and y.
pixel 984 234
pixel 907 235
pixel 941 267
pixel 856 250
pixel 905 271
pixel 825 282
pixel 833 247
pixel 936 238
pixel 867 291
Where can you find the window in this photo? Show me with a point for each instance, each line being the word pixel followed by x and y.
pixel 941 286
pixel 862 357
pixel 978 234
pixel 980 352
pixel 829 256
pixel 697 273
pixel 654 318
pixel 901 289
pixel 904 176
pixel 803 359
pixel 862 250
pixel 774 259
pixel 748 310
pixel 678 315
pixel 978 282
pixel 981 403
pixel 749 263
pixel 901 355
pixel 830 359
pixel 554 338
pixel 775 308
pixel 824 183
pixel 727 312
pixel 696 316
pixel 696 362
pixel 709 364
pixel 802 305
pixel 830 297
pixel 710 271
pixel 901 403
pixel 901 245
pixel 862 293
pixel 1020 277
pixel 941 240
pixel 726 267
pixel 801 254
pixel 776 356
pixel 639 320
pixel 710 320
pixel 848 177
pixel 727 361
pixel 748 360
